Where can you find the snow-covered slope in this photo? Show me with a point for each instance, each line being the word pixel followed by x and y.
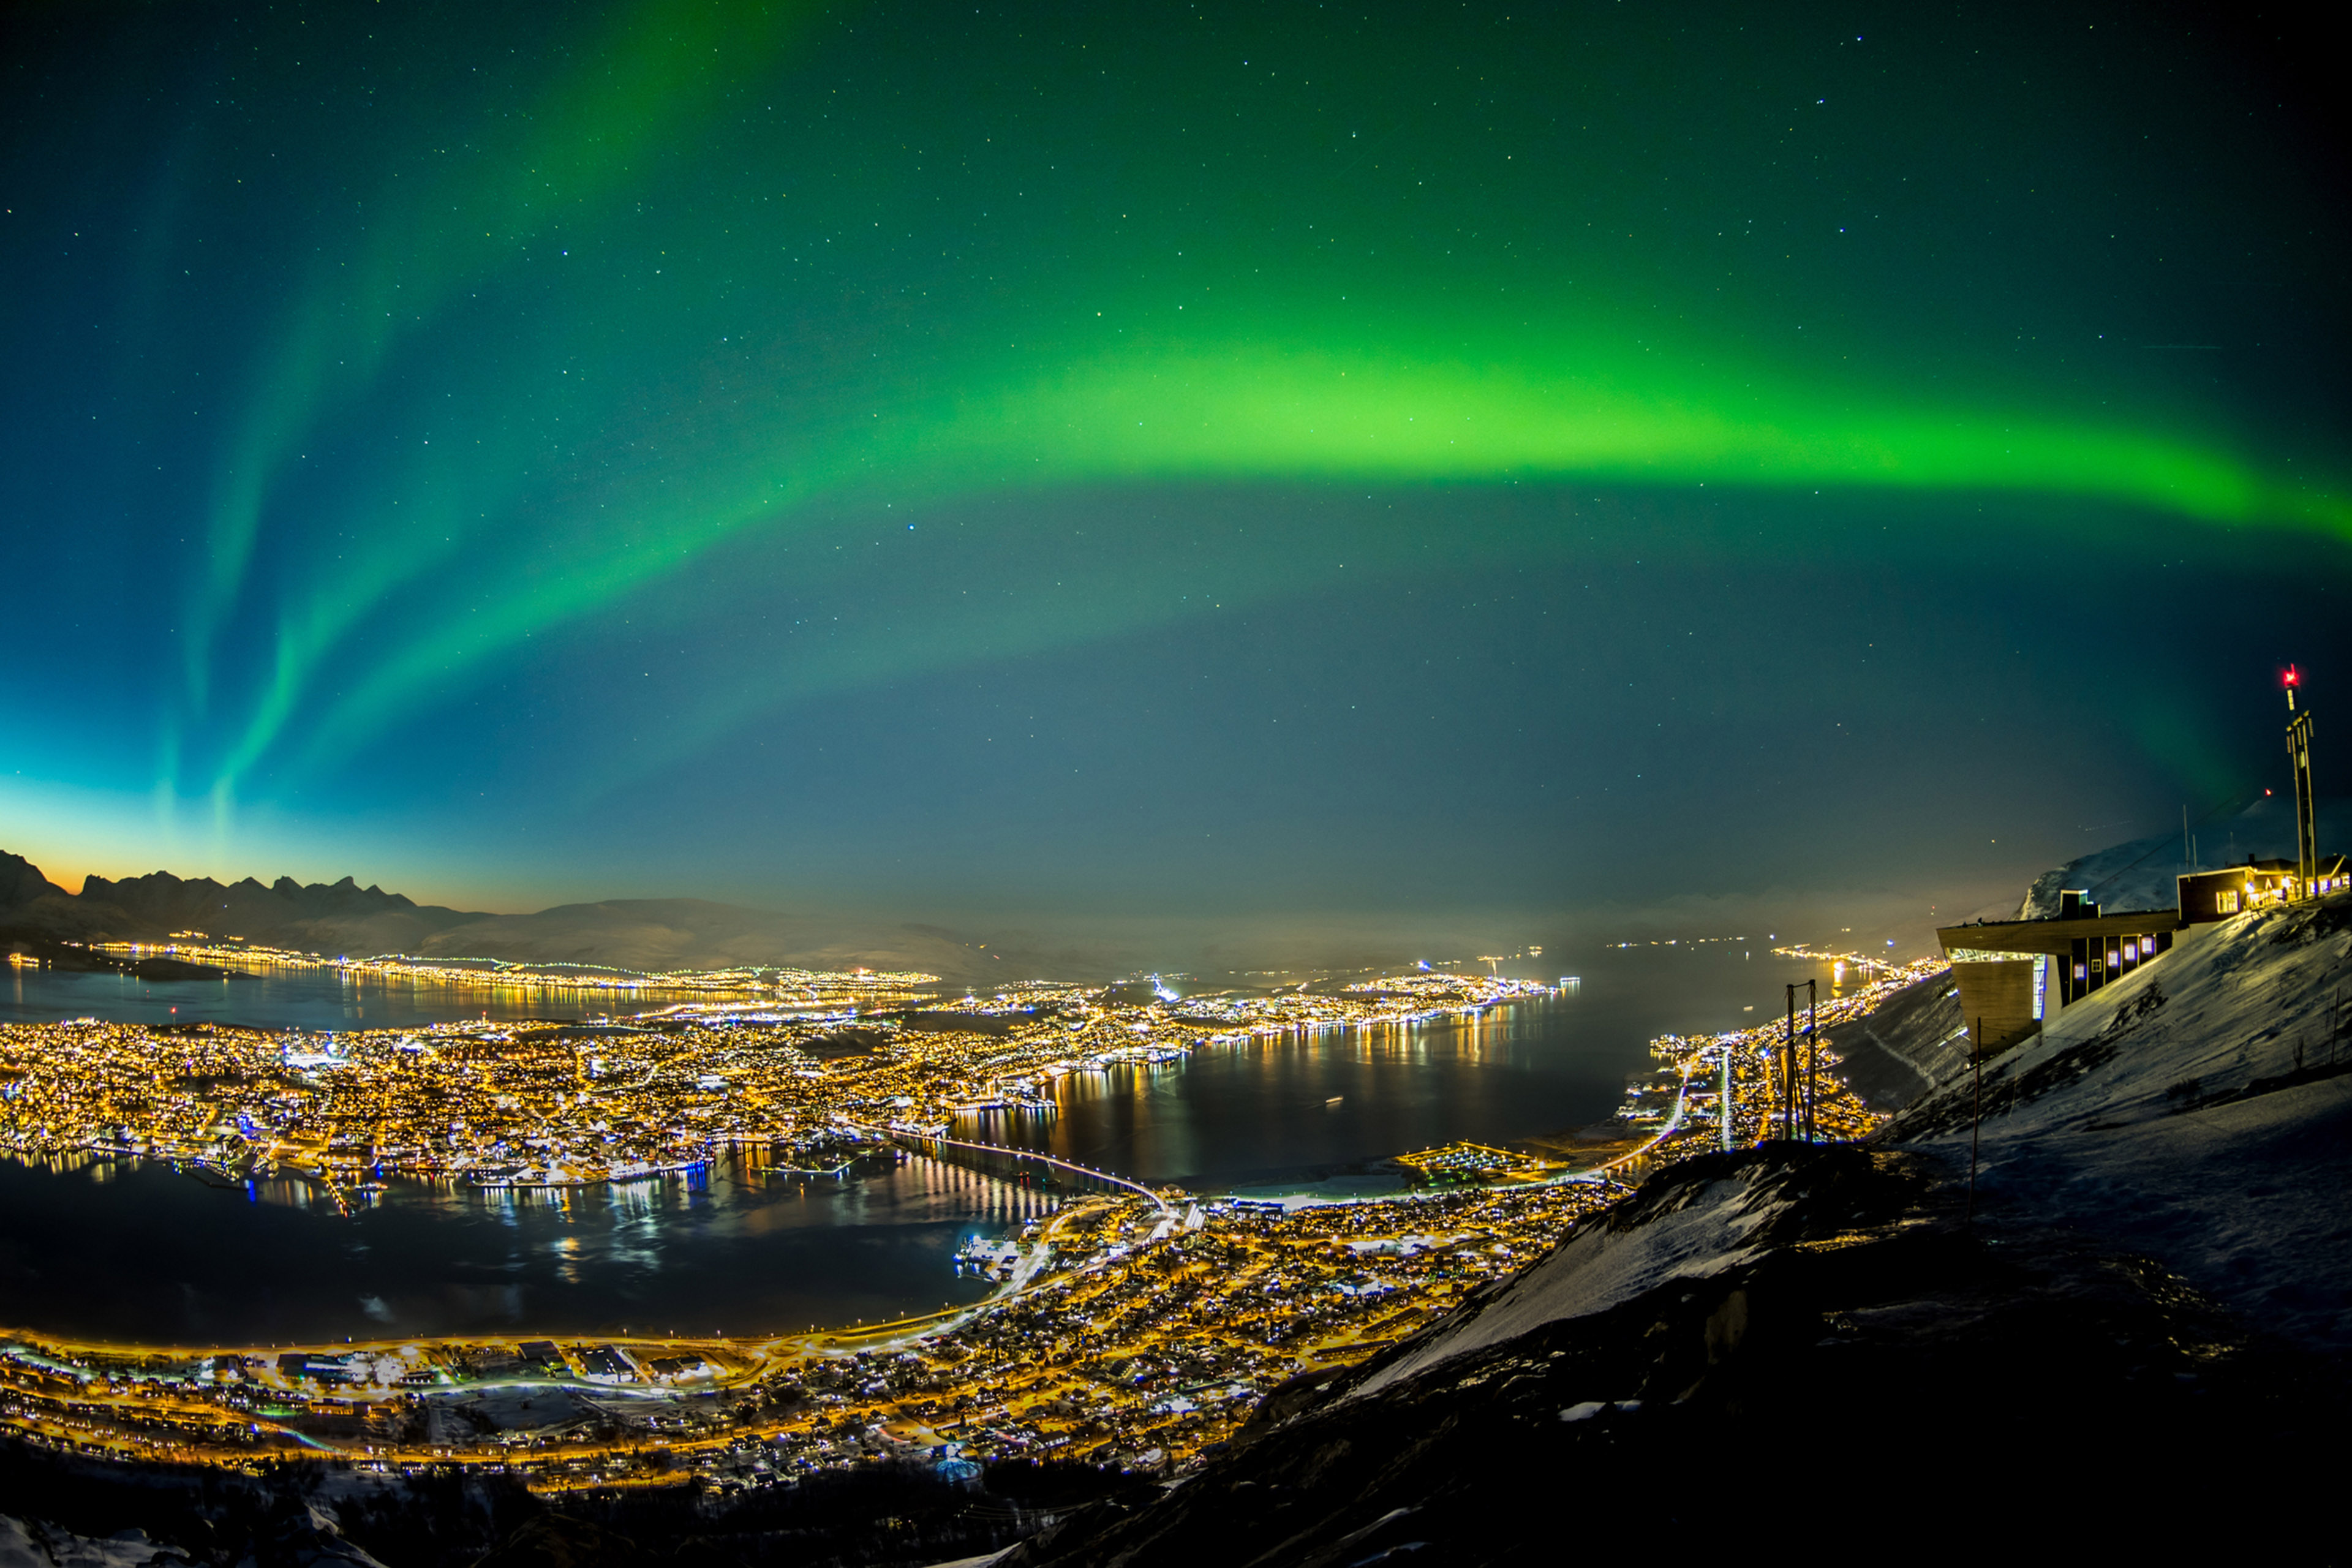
pixel 1696 1231
pixel 1814 1324
pixel 38 1546
pixel 2199 1110
pixel 305 1537
pixel 1906 1046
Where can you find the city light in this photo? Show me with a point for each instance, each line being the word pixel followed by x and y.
pixel 1135 1326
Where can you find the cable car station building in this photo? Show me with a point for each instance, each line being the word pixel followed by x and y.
pixel 2014 974
pixel 2010 972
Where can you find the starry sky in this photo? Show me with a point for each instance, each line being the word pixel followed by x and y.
pixel 1587 463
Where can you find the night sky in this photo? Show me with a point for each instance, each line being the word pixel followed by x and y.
pixel 1563 467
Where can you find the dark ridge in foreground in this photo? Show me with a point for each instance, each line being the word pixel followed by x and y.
pixel 1864 1361
pixel 317 1516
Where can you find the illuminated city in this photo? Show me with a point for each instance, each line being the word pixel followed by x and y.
pixel 614 1100
pixel 1137 1330
pixel 1037 785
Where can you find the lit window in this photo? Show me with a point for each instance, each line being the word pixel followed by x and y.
pixel 2079 972
pixel 2226 902
pixel 2147 947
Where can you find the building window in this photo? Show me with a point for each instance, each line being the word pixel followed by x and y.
pixel 2147 947
pixel 2079 972
pixel 2226 902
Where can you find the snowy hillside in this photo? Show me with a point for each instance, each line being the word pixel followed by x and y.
pixel 1906 1046
pixel 1708 1228
pixel 304 1538
pixel 39 1545
pixel 2200 1110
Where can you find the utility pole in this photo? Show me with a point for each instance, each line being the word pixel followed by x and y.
pixel 1790 1113
pixel 1788 1071
pixel 2307 832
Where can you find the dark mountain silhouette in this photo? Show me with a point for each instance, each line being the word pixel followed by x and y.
pixel 318 916
pixel 344 918
pixel 21 882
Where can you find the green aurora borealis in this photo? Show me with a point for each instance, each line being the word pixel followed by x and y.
pixel 865 355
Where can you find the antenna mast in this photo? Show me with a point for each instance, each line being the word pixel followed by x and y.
pixel 2307 832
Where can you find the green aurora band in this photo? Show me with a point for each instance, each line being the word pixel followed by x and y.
pixel 659 67
pixel 1258 412
pixel 1403 386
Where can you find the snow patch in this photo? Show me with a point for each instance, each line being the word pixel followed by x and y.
pixel 32 1544
pixel 1592 1407
pixel 1597 1268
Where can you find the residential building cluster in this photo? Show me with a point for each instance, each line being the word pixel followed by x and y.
pixel 559 1104
pixel 1146 1337
pixel 1138 1329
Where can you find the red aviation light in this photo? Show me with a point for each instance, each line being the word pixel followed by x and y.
pixel 2292 678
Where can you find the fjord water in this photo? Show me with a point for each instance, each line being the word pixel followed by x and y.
pixel 127 1250
pixel 318 999
pixel 1283 1110
pixel 132 1250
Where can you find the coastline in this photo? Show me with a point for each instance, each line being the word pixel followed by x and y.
pixel 1140 1253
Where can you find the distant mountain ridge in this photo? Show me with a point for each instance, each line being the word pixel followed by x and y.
pixel 284 913
pixel 343 917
